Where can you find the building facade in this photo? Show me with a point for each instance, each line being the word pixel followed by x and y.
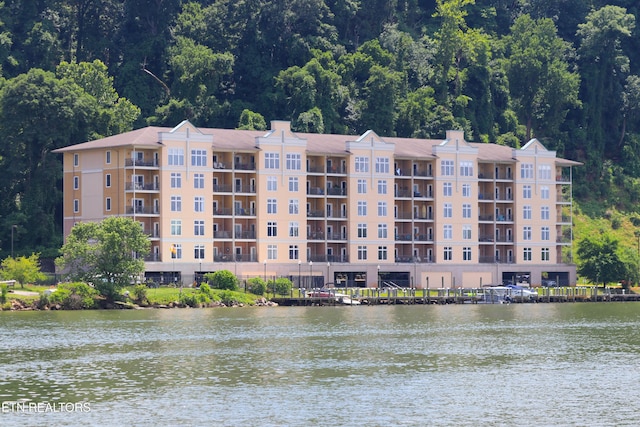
pixel 330 209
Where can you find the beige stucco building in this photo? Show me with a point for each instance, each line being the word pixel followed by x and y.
pixel 346 210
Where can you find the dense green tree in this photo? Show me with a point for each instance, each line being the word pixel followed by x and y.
pixel 22 269
pixel 605 67
pixel 600 260
pixel 541 84
pixel 250 120
pixel 108 254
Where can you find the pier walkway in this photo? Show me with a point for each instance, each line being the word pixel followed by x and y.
pixel 373 296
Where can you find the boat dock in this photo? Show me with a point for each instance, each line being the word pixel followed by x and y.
pixel 372 296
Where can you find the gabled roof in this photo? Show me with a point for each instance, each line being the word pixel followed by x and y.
pixel 329 144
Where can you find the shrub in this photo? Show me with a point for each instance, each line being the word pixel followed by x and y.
pixel 140 293
pixel 256 286
pixel 74 296
pixel 222 279
pixel 280 286
pixel 3 293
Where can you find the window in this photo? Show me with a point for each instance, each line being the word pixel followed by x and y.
pixel 545 213
pixel 466 210
pixel 294 229
pixel 544 172
pixel 448 253
pixel 466 168
pixel 176 180
pixel 362 164
pixel 448 231
pixel 362 186
pixel 446 168
pixel 198 157
pixel 176 156
pixel 293 206
pixel 382 165
pixel 272 183
pixel 466 232
pixel 76 182
pixel 545 233
pixel 448 210
pixel 293 161
pixel 272 206
pixel 272 228
pixel 362 230
pixel 526 233
pixel 108 180
pixel 447 189
pixel 198 204
pixel 466 190
pixel 526 170
pixel 198 251
pixel 526 212
pixel 362 252
pixel 382 208
pixel 545 254
pixel 544 192
pixel 382 186
pixel 76 159
pixel 526 254
pixel 108 203
pixel 176 227
pixel 293 184
pixel 362 208
pixel 272 252
pixel 271 160
pixel 466 254
pixel 294 252
pixel 526 191
pixel 198 227
pixel 176 251
pixel 108 159
pixel 382 231
pixel 198 180
pixel 382 253
pixel 176 203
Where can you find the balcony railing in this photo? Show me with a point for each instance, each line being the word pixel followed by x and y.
pixel 222 188
pixel 142 210
pixel 134 186
pixel 322 258
pixel 315 214
pixel 337 191
pixel 235 258
pixel 414 259
pixel 140 163
pixel 245 166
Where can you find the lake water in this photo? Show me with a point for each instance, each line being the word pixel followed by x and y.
pixel 493 365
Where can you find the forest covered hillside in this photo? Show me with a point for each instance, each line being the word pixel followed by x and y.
pixel 566 72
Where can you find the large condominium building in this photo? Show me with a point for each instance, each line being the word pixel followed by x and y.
pixel 348 210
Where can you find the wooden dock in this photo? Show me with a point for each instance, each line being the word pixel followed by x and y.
pixel 460 296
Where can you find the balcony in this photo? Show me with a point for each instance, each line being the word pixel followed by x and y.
pixel 414 260
pixel 245 166
pixel 315 214
pixel 234 258
pixel 134 186
pixel 128 163
pixel 142 210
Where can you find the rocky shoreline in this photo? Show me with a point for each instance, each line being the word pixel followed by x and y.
pixel 19 305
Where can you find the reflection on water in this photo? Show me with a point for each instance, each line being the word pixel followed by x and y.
pixel 530 364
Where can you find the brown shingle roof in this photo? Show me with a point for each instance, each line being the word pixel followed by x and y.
pixel 245 140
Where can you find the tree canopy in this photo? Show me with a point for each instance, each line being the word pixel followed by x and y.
pixel 565 72
pixel 109 254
